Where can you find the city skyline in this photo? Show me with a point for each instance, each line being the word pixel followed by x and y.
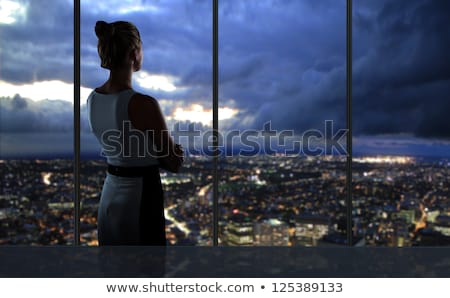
pixel 277 200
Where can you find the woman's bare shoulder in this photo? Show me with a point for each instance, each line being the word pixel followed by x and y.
pixel 144 111
pixel 143 100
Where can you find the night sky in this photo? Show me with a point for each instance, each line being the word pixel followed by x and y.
pixel 280 61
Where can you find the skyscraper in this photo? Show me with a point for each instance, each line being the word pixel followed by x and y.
pixel 271 232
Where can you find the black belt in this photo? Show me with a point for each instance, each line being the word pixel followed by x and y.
pixel 133 171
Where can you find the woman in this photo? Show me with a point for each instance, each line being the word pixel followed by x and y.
pixel 135 140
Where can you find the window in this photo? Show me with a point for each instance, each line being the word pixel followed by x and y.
pixel 282 89
pixel 282 92
pixel 177 72
pixel 401 188
pixel 36 123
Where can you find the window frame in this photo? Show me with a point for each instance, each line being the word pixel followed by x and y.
pixel 215 99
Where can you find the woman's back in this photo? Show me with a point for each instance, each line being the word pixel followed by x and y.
pixel 122 144
pixel 131 130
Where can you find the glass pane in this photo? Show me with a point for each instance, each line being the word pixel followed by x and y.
pixel 401 100
pixel 282 111
pixel 36 122
pixel 177 48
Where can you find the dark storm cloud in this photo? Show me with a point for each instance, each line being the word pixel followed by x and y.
pixel 176 39
pixel 41 47
pixel 297 78
pixel 177 42
pixel 401 67
pixel 282 61
pixel 21 115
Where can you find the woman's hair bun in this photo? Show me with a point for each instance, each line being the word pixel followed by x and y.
pixel 104 30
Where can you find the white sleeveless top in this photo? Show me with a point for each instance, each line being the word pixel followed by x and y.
pixel 122 144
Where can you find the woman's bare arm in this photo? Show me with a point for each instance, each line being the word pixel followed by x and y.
pixel 145 114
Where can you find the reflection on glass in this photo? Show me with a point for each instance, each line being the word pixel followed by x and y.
pixel 282 110
pixel 401 194
pixel 36 123
pixel 177 72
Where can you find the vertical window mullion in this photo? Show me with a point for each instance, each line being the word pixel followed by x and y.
pixel 76 121
pixel 349 202
pixel 215 61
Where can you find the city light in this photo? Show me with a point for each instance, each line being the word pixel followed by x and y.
pixel 385 159
pixel 394 203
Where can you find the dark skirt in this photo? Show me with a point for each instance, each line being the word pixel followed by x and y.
pixel 131 209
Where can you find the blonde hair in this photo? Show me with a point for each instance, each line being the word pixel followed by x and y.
pixel 115 41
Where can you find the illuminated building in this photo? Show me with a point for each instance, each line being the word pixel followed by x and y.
pixel 442 224
pixel 432 215
pixel 239 231
pixel 401 236
pixel 408 215
pixel 309 229
pixel 271 232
